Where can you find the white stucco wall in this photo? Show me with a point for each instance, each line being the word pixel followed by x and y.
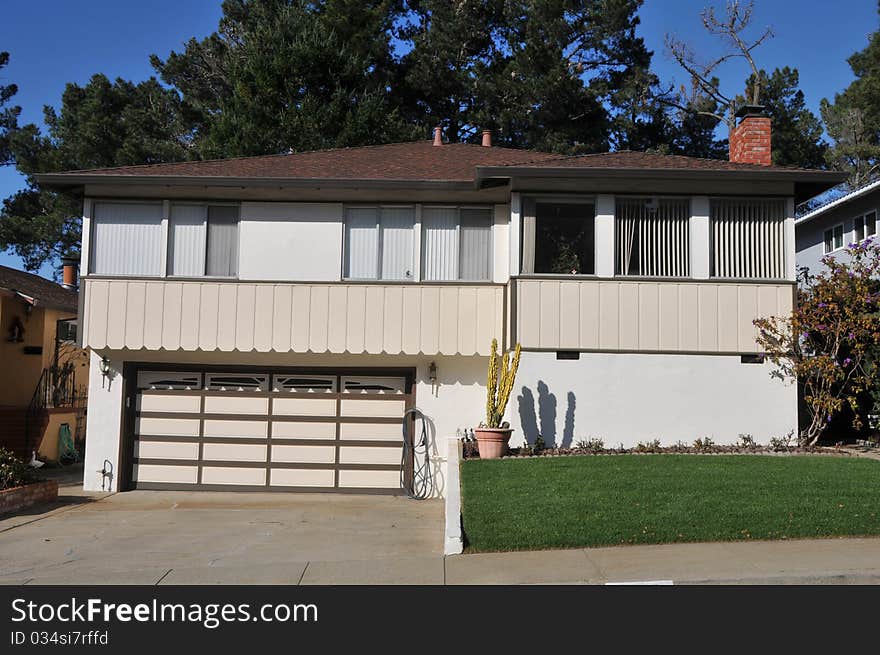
pixel 102 427
pixel 290 241
pixel 628 398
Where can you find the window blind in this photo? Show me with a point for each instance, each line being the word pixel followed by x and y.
pixel 126 239
pixel 187 238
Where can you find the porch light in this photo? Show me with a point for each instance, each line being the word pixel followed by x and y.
pixel 432 372
pixel 106 371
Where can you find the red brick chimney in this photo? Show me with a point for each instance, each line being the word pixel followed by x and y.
pixel 487 139
pixel 438 136
pixel 750 139
pixel 68 272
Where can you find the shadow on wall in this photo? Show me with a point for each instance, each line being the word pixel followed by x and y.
pixel 539 418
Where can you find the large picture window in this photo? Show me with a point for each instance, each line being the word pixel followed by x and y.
pixel 379 243
pixel 558 237
pixel 456 243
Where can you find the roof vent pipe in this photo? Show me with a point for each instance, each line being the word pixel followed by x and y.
pixel 438 136
pixel 487 138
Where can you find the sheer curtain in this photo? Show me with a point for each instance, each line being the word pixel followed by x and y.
pixel 397 243
pixel 222 243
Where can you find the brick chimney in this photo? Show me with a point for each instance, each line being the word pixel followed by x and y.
pixel 438 136
pixel 750 139
pixel 68 272
pixel 487 139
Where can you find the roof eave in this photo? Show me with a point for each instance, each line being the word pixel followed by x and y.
pixel 807 183
pixel 67 180
pixel 838 202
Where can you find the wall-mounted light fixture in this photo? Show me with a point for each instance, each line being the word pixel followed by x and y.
pixel 106 371
pixel 432 372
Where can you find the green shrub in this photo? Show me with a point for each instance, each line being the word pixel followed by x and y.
pixel 13 471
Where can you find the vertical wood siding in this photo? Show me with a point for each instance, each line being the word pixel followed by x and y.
pixel 265 317
pixel 649 316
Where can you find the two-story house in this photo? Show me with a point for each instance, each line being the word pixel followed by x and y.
pixel 263 323
pixel 829 228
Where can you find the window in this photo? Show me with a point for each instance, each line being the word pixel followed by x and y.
pixel 379 243
pixel 233 382
pixel 651 237
pixel 126 239
pixel 304 383
pixel 169 380
pixel 558 237
pixel 833 239
pixel 373 385
pixel 203 240
pixel 747 238
pixel 456 243
pixel 66 330
pixel 864 226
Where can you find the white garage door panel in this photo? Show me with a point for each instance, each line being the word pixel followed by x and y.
pixel 230 428
pixel 169 427
pixel 232 475
pixel 234 452
pixel 162 403
pixel 230 404
pixel 302 478
pixel 370 479
pixel 367 455
pixel 166 450
pixel 160 473
pixel 307 454
pixel 374 408
pixel 303 407
pixel 263 429
pixel 303 430
pixel 371 431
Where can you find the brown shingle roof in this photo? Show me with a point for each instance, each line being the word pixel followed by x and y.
pixel 629 159
pixel 418 160
pixel 45 292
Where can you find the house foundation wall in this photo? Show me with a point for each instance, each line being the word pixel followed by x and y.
pixel 631 398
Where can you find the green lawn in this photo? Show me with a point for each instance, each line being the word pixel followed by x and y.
pixel 565 502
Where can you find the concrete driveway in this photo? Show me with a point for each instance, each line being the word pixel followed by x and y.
pixel 150 537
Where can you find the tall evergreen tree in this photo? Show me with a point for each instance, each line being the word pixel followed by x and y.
pixel 283 75
pixel 100 124
pixel 796 131
pixel 8 115
pixel 853 119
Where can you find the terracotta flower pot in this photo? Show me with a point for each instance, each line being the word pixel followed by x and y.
pixel 492 442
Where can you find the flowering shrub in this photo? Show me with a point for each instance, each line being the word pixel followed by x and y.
pixel 13 471
pixel 828 342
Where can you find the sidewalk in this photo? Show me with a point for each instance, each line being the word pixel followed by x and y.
pixel 820 561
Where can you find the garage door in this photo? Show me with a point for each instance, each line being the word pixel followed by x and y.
pixel 269 430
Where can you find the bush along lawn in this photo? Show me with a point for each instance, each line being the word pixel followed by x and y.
pixel 568 502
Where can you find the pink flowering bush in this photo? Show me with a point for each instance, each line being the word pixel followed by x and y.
pixel 828 343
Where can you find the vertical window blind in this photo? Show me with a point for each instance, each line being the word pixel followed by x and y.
pixel 652 237
pixel 456 243
pixel 747 238
pixel 126 239
pixel 187 238
pixel 222 242
pixel 379 243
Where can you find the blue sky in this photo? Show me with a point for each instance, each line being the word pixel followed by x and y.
pixel 57 41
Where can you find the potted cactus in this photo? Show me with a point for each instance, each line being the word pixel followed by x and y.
pixel 492 436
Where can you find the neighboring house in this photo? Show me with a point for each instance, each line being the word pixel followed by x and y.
pixel 43 372
pixel 828 229
pixel 264 322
